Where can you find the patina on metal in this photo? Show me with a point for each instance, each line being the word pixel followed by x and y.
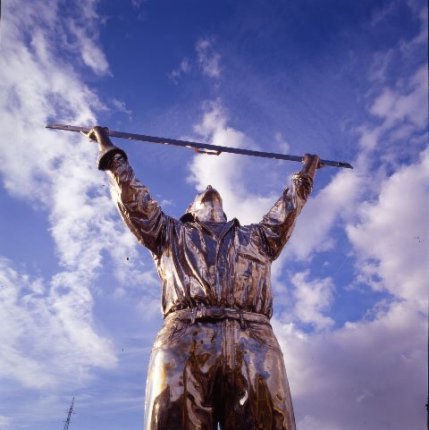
pixel 204 148
pixel 216 361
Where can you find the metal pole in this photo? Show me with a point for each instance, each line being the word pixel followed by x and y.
pixel 197 146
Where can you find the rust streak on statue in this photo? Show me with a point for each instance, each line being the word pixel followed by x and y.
pixel 216 361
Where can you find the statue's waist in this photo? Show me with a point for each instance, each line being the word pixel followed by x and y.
pixel 216 313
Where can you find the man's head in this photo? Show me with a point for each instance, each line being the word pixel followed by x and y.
pixel 207 206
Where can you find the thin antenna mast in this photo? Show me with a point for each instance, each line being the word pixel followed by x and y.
pixel 67 423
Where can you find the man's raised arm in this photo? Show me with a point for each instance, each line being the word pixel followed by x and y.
pixel 277 225
pixel 140 212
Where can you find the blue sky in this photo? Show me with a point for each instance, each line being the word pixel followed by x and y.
pixel 79 299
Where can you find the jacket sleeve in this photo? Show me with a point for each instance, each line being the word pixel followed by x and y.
pixel 277 225
pixel 141 213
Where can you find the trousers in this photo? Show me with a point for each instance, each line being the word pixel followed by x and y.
pixel 215 371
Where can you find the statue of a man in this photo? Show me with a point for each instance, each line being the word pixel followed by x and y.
pixel 216 361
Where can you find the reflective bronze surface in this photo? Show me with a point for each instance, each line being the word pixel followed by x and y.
pixel 216 360
pixel 217 371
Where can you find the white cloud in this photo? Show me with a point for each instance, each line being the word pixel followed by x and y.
pixel 226 172
pixel 403 111
pixel 208 59
pixel 313 300
pixel 334 202
pixel 183 69
pixel 401 107
pixel 391 237
pixel 407 49
pixel 368 373
pixel 390 231
pixel 48 329
pixel 357 376
pixel 121 106
pixel 409 104
pixel 58 326
pixel 382 14
pixel 137 3
pixel 421 38
pixel 91 54
pixel 5 422
pixel 282 143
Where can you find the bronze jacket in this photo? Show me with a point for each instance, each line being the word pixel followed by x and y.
pixel 202 264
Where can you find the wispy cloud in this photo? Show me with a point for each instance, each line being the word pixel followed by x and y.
pixel 49 335
pixel 183 69
pixel 225 173
pixel 283 145
pixel 90 52
pixel 137 3
pixel 121 106
pixel 313 299
pixel 208 58
pixel 207 62
pixel 5 422
pixel 404 104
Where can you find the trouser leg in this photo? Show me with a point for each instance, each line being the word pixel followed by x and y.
pixel 259 396
pixel 181 375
